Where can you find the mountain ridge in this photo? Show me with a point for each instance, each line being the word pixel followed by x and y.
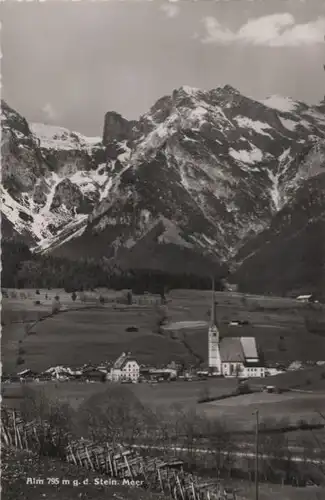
pixel 202 170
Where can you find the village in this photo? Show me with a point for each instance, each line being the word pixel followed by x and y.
pixel 228 356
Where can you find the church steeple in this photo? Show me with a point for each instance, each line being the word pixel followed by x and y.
pixel 214 331
pixel 213 319
pixel 213 335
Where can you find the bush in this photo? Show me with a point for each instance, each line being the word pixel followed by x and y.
pixel 20 361
pixel 131 329
pixel 56 306
pixel 53 438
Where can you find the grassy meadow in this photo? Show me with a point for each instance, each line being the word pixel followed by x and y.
pixel 87 331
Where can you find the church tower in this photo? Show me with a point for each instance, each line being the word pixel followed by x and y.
pixel 214 337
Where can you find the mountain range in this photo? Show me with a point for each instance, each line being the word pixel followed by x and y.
pixel 203 179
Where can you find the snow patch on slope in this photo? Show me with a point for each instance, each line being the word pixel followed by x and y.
pixel 284 104
pixel 275 190
pixel 90 182
pixel 30 219
pixel 255 155
pixel 289 124
pixel 256 125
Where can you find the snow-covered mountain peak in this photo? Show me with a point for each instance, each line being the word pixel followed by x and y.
pixel 60 138
pixel 186 89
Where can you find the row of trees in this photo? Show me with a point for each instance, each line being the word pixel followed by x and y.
pixel 22 269
pixel 117 416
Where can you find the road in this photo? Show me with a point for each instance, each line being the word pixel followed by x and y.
pixel 297 458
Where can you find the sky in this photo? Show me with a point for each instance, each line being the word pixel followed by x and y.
pixel 67 63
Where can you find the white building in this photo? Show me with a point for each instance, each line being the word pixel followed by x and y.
pixel 304 298
pixel 125 368
pixel 232 356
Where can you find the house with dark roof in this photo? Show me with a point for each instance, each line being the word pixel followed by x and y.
pixel 125 368
pixel 232 356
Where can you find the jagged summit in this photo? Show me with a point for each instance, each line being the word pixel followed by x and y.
pixel 116 128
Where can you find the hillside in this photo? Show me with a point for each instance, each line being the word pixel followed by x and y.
pixel 290 254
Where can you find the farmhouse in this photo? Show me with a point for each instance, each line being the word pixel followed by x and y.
pixel 232 356
pixel 125 367
pixel 306 298
pixel 147 299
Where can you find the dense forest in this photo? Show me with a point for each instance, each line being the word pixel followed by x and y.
pixel 23 269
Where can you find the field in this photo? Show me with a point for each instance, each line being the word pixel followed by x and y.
pixel 97 333
pixel 290 406
pixel 277 323
pixel 185 394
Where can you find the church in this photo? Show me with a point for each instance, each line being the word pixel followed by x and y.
pixel 232 356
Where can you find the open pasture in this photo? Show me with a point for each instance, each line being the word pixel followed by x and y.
pixel 185 394
pixel 246 491
pixel 96 335
pixel 277 323
pixel 239 411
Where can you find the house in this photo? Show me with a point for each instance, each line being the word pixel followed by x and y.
pixel 232 356
pixel 27 375
pixel 305 298
pixel 93 374
pixel 147 299
pixel 125 367
pixel 163 373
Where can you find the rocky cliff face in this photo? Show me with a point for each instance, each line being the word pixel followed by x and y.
pixel 117 128
pixel 51 177
pixel 202 171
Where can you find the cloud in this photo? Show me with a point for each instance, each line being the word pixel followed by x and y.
pixel 277 30
pixel 170 9
pixel 49 111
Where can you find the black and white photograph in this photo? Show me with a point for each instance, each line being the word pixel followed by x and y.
pixel 163 250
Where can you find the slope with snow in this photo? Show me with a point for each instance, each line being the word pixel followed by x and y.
pixel 51 177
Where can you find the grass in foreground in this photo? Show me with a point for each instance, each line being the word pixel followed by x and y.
pixel 18 466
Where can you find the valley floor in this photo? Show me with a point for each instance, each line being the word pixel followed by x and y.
pixel 88 332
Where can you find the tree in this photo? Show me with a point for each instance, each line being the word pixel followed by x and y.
pixel 56 305
pixel 221 445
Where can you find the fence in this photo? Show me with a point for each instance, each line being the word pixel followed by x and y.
pixel 117 461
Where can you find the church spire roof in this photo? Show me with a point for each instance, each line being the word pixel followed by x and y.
pixel 213 318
